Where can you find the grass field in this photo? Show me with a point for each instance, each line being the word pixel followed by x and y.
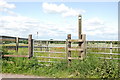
pixel 90 67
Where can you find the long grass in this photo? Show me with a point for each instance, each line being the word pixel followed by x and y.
pixel 90 67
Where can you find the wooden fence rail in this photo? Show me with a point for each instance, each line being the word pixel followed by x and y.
pixel 110 48
pixel 16 46
pixel 17 39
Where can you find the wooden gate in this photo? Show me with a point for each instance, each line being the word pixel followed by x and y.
pixel 49 51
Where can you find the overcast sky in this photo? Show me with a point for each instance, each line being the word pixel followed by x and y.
pixel 54 20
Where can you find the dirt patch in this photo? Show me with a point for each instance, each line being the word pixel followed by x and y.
pixel 18 76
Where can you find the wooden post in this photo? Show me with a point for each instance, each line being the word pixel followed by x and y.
pixel 83 46
pixel 47 49
pixel 79 27
pixel 79 32
pixel 17 44
pixel 111 49
pixel 41 45
pixel 69 46
pixel 66 49
pixel 30 46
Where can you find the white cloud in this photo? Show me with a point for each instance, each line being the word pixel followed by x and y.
pixel 6 7
pixel 4 4
pixel 62 9
pixel 95 21
pixel 22 26
pixel 7 11
pixel 99 28
pixel 53 8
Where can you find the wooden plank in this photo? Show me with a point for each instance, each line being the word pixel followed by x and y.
pixel 65 41
pixel 75 49
pixel 109 58
pixel 49 46
pixel 14 55
pixel 23 38
pixel 74 58
pixel 15 47
pixel 75 40
pixel 102 41
pixel 104 47
pixel 10 39
pixel 105 53
pixel 51 57
pixel 51 40
pixel 7 39
pixel 49 61
pixel 49 52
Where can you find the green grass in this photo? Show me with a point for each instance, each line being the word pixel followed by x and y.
pixel 90 67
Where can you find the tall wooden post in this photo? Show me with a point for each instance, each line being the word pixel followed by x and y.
pixel 69 46
pixel 79 32
pixel 79 27
pixel 17 44
pixel 30 46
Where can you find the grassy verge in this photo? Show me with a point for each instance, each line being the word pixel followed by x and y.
pixel 90 67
